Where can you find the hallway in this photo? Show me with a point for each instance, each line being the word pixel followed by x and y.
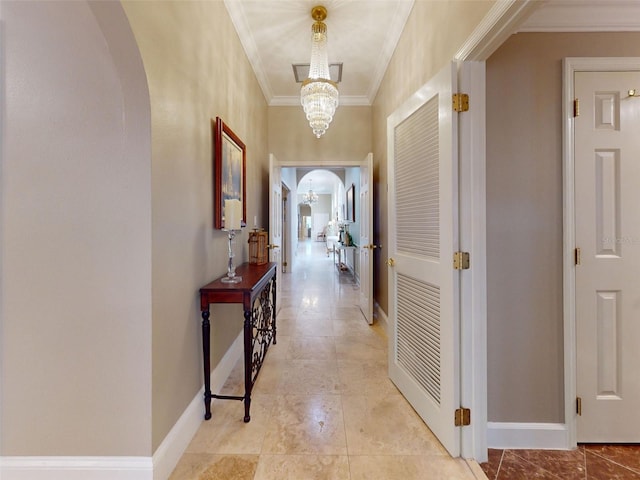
pixel 322 407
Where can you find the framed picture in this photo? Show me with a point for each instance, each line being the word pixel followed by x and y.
pixel 229 172
pixel 351 203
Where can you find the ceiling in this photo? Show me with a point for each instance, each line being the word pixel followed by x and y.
pixel 362 34
pixel 321 181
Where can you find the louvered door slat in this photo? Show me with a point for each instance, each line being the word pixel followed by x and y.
pixel 418 323
pixel 417 183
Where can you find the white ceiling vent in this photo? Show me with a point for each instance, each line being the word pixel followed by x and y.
pixel 301 72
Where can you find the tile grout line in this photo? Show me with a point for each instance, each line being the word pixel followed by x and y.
pixel 499 465
pixel 609 460
pixel 535 465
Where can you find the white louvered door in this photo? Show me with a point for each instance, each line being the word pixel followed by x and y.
pixel 423 234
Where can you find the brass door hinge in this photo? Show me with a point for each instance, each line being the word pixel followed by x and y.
pixel 462 417
pixel 461 260
pixel 576 108
pixel 577 258
pixel 460 102
pixel 579 406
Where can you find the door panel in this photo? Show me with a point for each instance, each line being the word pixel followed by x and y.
pixel 607 228
pixel 423 234
pixel 275 216
pixel 366 239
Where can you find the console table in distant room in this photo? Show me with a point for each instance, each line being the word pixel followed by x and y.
pixel 341 247
pixel 257 294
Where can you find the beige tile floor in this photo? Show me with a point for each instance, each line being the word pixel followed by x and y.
pixel 322 407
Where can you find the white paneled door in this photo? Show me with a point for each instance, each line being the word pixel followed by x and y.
pixel 365 212
pixel 423 235
pixel 607 231
pixel 275 216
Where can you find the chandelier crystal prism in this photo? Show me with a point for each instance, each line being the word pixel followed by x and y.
pixel 319 95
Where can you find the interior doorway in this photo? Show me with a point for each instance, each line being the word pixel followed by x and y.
pixel 317 202
pixel 601 266
pixel 286 233
pixel 304 221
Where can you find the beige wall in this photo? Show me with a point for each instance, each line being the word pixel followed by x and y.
pixel 433 34
pixel 348 138
pixel 524 219
pixel 197 70
pixel 75 233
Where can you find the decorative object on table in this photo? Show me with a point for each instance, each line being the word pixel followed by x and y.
pixel 233 223
pixel 344 235
pixel 351 203
pixel 319 94
pixel 229 174
pixel 258 251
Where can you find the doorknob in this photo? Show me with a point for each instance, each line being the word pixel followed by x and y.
pixel 273 246
pixel 371 246
pixel 391 262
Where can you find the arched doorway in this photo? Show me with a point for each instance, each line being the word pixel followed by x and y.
pixel 304 221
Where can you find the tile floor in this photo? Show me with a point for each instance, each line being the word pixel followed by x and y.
pixel 322 407
pixel 587 462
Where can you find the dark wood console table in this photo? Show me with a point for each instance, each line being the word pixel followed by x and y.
pixel 257 293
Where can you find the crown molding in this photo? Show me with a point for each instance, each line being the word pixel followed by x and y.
pixel 239 20
pixel 396 27
pixel 346 100
pixel 588 16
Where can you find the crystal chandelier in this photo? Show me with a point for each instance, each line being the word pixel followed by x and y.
pixel 319 95
pixel 310 197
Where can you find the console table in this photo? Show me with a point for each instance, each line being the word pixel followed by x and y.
pixel 341 247
pixel 257 293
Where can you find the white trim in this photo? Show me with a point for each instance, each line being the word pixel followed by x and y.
pixel 76 468
pixel 381 316
pixel 473 282
pixel 502 20
pixel 168 454
pixel 585 16
pixel 158 467
pixel 570 66
pixel 241 24
pixel 345 101
pixel 321 164
pixel 394 29
pixel 547 436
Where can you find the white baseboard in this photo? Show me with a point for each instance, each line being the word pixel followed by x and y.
pixel 158 467
pixel 545 436
pixel 168 454
pixel 381 317
pixel 76 468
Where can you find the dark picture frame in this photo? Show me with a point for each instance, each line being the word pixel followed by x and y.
pixel 229 171
pixel 351 203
